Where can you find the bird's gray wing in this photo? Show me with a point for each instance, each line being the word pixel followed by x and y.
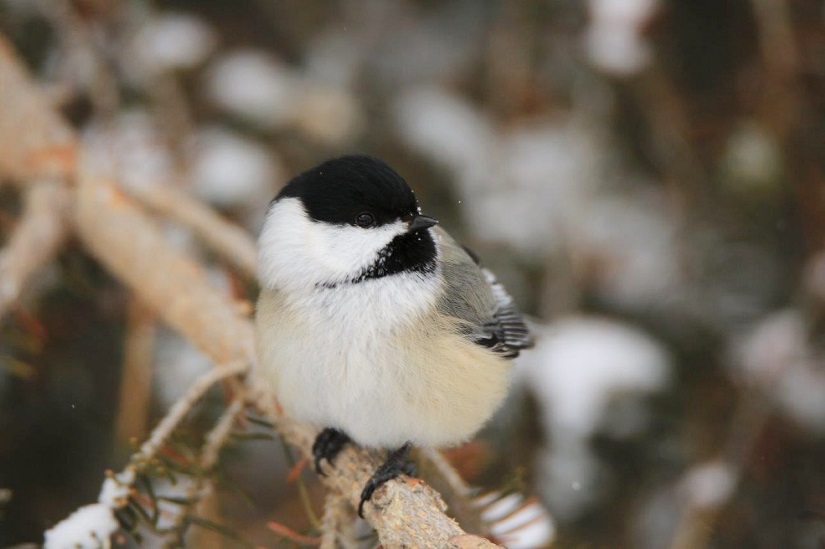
pixel 473 295
pixel 510 333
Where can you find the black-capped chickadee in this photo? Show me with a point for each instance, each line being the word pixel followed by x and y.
pixel 373 324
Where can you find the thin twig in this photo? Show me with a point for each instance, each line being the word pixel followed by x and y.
pixel 454 490
pixel 217 437
pixel 136 377
pixel 201 486
pixel 36 239
pixel 182 407
pixel 290 534
pixel 296 468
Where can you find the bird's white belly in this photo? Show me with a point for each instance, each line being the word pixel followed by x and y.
pixel 339 378
pixel 341 363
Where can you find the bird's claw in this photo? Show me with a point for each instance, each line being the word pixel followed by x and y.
pixel 327 445
pixel 397 463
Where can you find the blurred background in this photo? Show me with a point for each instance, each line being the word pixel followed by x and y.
pixel 645 176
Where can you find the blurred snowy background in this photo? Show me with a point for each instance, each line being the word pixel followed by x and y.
pixel 646 176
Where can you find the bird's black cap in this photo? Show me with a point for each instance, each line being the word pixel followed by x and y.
pixel 339 190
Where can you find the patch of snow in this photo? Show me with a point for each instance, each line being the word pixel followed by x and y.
pixel 174 41
pixel 709 484
pixel 502 507
pixel 616 50
pixel 89 527
pixel 253 86
pixel 613 39
pixel 579 367
pixel 580 364
pixel 528 188
pixel 622 12
pixel 516 524
pixel 801 394
pixel 115 490
pixel 534 190
pixel 267 94
pixel 129 148
pixel 229 170
pixel 444 127
pixel 182 487
pixel 778 357
pixel 627 245
pixel 753 158
pixel 774 344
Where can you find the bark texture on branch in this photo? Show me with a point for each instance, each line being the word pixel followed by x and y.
pixel 36 141
pixel 405 513
pixel 130 245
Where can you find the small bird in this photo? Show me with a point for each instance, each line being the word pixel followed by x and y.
pixel 373 324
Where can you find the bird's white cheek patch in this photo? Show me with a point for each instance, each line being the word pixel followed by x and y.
pixel 347 250
pixel 295 251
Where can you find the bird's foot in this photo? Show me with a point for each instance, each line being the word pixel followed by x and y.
pixel 327 445
pixel 397 462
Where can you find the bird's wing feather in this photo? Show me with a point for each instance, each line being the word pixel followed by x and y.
pixel 508 326
pixel 473 295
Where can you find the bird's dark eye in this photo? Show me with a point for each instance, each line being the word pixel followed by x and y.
pixel 365 220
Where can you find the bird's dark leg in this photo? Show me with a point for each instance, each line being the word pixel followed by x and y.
pixel 327 445
pixel 397 462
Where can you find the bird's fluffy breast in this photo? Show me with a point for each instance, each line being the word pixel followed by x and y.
pixel 384 369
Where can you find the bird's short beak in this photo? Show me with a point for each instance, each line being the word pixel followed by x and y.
pixel 420 222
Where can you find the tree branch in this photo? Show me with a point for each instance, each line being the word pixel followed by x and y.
pixel 228 240
pixel 136 373
pixel 392 505
pixel 337 523
pixel 36 142
pixel 130 245
pixel 201 489
pixel 36 239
